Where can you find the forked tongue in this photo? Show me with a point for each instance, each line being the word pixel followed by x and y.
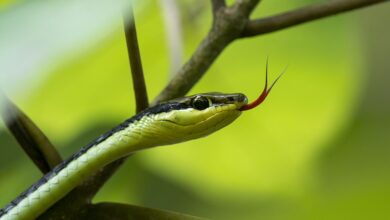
pixel 265 92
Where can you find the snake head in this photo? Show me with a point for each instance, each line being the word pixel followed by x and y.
pixel 190 117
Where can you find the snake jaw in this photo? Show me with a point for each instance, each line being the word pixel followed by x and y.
pixel 265 92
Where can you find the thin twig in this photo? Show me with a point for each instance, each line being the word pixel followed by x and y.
pixel 302 15
pixel 140 92
pixel 137 73
pixel 92 185
pixel 80 198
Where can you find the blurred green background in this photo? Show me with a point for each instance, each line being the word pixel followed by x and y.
pixel 318 148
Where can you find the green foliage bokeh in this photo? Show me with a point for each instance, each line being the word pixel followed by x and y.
pixel 266 164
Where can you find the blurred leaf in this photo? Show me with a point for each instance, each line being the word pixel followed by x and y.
pixel 37 36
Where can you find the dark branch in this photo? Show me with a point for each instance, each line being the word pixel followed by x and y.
pixel 227 26
pixel 216 5
pixel 246 6
pixel 33 141
pixel 302 15
pixel 137 73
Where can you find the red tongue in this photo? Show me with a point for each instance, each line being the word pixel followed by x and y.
pixel 265 92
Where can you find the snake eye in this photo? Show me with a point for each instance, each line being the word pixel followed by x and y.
pixel 200 103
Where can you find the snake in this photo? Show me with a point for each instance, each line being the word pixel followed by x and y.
pixel 166 123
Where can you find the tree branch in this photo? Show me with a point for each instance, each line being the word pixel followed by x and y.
pixel 246 6
pixel 33 141
pixel 227 26
pixel 137 73
pixel 216 5
pixel 302 15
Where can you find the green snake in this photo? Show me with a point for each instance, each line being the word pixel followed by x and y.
pixel 167 123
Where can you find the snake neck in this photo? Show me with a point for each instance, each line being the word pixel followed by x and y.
pixel 119 142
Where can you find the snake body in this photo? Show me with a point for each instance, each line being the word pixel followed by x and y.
pixel 166 123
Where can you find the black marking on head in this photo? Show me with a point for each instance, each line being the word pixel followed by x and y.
pixel 163 107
